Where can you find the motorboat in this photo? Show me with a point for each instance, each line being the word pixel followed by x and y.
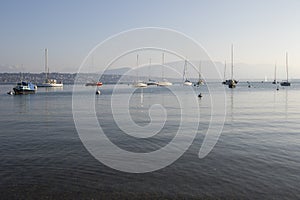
pixel 25 88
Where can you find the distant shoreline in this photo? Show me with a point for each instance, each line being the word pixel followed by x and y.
pixel 69 78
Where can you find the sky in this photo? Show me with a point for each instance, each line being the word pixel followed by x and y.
pixel 260 30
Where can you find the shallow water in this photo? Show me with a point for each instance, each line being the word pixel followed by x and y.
pixel 256 156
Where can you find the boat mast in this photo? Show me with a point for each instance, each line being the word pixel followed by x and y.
pixel 200 71
pixel 163 62
pixel 184 70
pixel 137 65
pixel 225 71
pixel 232 62
pixel 149 68
pixel 287 68
pixel 46 63
pixel 275 73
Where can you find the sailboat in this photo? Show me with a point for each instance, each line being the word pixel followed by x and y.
pixel 286 83
pixel 231 82
pixel 200 80
pixel 186 82
pixel 138 84
pixel 49 82
pixel 224 80
pixel 164 82
pixel 275 80
pixel 150 81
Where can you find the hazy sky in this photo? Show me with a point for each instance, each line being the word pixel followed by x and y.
pixel 261 30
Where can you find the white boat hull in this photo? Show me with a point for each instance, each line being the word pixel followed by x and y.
pixel 140 85
pixel 164 83
pixel 50 85
pixel 187 83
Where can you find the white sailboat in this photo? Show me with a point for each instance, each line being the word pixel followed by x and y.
pixel 150 81
pixel 138 84
pixel 49 82
pixel 164 82
pixel 200 80
pixel 286 83
pixel 186 81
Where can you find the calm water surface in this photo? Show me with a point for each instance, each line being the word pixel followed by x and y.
pixel 256 157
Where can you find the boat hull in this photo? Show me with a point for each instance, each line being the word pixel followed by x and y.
pixel 151 83
pixel 232 86
pixel 50 85
pixel 23 91
pixel 232 83
pixel 199 83
pixel 140 85
pixel 94 84
pixel 187 83
pixel 229 82
pixel 25 88
pixel 164 84
pixel 285 84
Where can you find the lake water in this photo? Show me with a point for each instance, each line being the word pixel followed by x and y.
pixel 256 157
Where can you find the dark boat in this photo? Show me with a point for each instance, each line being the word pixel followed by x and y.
pixel 151 82
pixel 286 83
pixel 25 88
pixel 200 81
pixel 230 82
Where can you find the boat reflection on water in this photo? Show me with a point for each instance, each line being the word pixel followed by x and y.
pixel 53 89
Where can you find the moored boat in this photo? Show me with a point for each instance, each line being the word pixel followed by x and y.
pixel 275 80
pixel 25 88
pixel 151 82
pixel 139 84
pixel 200 80
pixel 49 82
pixel 164 83
pixel 94 84
pixel 231 82
pixel 186 82
pixel 286 83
